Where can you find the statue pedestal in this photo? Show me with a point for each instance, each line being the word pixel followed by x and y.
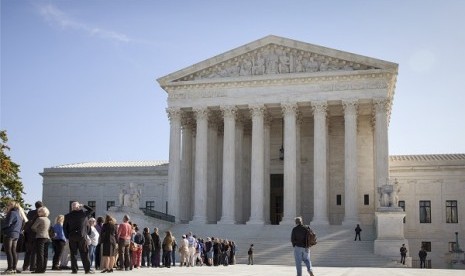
pixel 125 209
pixel 138 217
pixel 390 233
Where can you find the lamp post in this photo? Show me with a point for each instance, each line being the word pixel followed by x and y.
pixel 281 150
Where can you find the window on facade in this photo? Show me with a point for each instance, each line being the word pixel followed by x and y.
pixel 338 199
pixel 402 205
pixel 150 205
pixel 426 245
pixel 425 211
pixel 110 204
pixel 92 204
pixel 451 211
pixel 452 246
pixel 366 199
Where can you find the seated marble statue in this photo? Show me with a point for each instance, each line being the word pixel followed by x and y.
pixel 130 197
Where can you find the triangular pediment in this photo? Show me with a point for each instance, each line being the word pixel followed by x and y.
pixel 271 56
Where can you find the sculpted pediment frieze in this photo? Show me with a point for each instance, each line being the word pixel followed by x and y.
pixel 274 59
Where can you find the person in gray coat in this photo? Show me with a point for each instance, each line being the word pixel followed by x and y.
pixel 41 227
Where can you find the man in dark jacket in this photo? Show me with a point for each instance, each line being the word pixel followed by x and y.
pixel 76 228
pixel 30 239
pixel 422 254
pixel 301 249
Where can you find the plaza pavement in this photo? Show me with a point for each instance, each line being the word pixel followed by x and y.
pixel 249 270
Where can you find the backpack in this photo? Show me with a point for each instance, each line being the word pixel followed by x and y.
pixel 311 237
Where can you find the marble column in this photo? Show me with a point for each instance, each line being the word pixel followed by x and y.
pixel 186 169
pixel 299 121
pixel 350 163
pixel 289 111
pixel 320 185
pixel 229 165
pixel 381 109
pixel 212 167
pixel 267 190
pixel 174 171
pixel 201 156
pixel 257 167
pixel 239 190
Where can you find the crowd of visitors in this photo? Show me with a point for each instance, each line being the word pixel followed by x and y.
pixel 103 243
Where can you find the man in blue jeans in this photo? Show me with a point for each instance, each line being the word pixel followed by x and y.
pixel 301 249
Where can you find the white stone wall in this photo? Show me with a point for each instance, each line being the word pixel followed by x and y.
pixel 435 178
pixel 62 185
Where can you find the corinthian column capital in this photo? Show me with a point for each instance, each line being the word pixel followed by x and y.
pixel 381 105
pixel 201 112
pixel 257 110
pixel 174 113
pixel 350 107
pixel 289 108
pixel 319 108
pixel 229 111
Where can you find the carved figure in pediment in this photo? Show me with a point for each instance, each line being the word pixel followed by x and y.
pixel 347 67
pixel 259 65
pixel 233 71
pixel 311 65
pixel 299 67
pixel 324 66
pixel 246 68
pixel 272 60
pixel 284 63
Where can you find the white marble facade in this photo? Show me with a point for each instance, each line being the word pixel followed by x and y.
pixel 231 114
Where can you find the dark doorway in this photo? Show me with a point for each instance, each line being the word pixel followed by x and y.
pixel 276 198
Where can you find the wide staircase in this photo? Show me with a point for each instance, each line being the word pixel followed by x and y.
pixel 336 246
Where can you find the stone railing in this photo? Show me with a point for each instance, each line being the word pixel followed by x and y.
pixel 158 215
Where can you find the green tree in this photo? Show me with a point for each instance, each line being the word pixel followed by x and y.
pixel 11 187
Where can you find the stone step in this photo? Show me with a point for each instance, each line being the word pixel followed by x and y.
pixel 335 247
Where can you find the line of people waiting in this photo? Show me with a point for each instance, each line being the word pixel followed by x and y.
pixel 102 243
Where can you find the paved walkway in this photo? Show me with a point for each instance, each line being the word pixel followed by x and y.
pixel 272 270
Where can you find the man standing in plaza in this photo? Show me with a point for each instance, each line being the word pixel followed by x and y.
pixel 422 254
pixel 301 249
pixel 76 228
pixel 403 253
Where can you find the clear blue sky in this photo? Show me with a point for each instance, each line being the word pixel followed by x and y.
pixel 78 78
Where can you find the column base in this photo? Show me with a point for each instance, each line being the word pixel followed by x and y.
pixel 287 221
pixel 255 222
pixel 198 220
pixel 350 221
pixel 319 221
pixel 226 221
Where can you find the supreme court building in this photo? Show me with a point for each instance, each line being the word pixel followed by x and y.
pixel 279 128
pixel 275 129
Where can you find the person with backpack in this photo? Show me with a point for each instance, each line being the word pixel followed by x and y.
pixel 250 253
pixel 300 239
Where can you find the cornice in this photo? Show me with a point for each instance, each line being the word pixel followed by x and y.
pixel 384 81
